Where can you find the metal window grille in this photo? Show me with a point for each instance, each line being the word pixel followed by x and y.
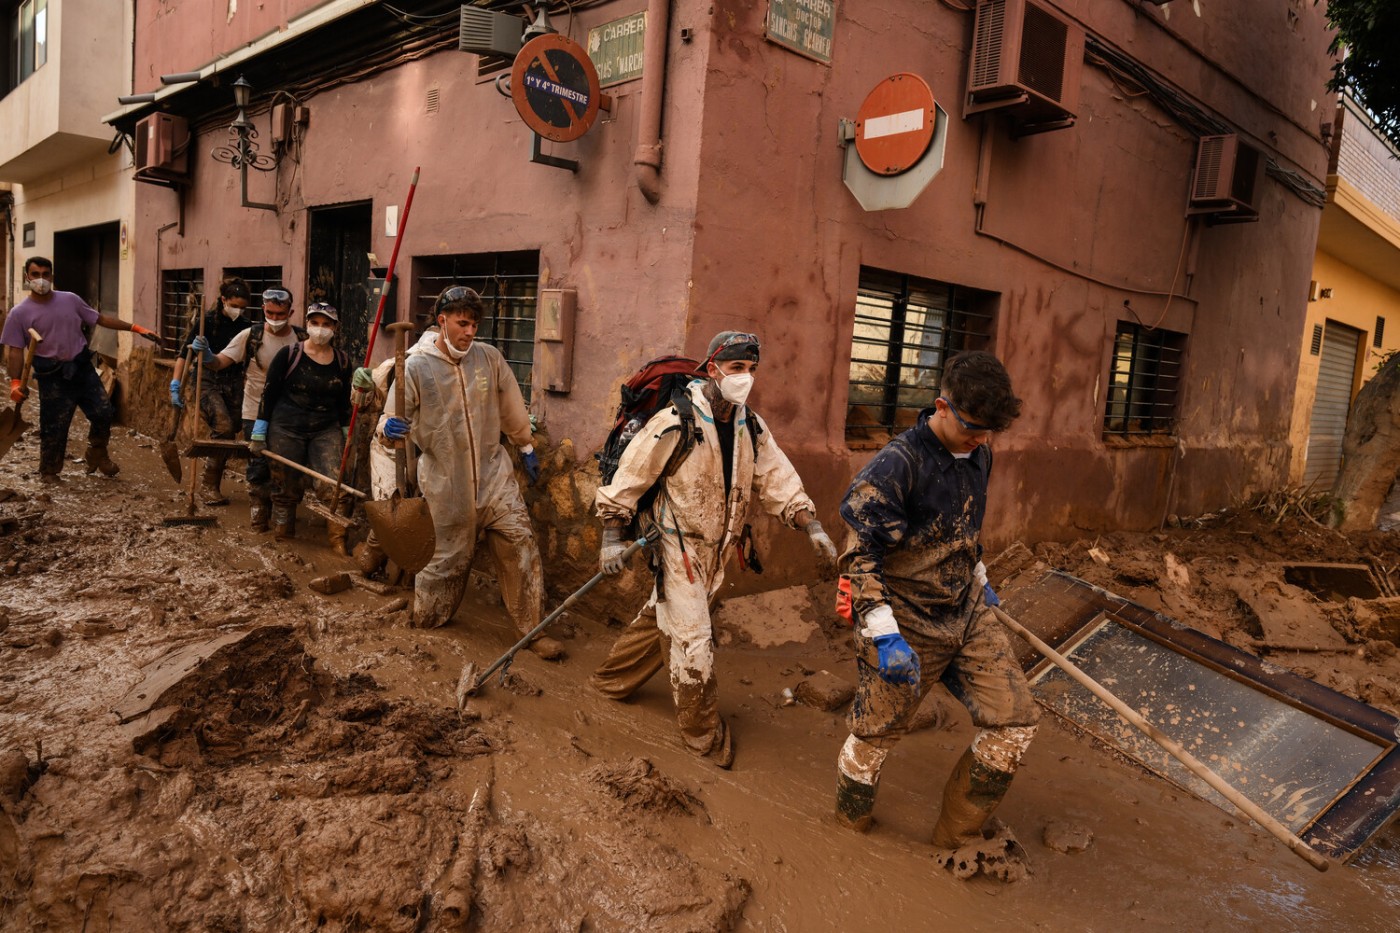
pixel 1144 381
pixel 181 300
pixel 258 278
pixel 1379 339
pixel 905 329
pixel 1316 340
pixel 508 284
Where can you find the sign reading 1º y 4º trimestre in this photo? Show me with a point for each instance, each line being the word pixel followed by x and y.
pixel 617 49
pixel 805 26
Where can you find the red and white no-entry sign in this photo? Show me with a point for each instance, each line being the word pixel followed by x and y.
pixel 895 124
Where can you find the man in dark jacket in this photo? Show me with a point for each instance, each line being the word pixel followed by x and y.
pixel 916 591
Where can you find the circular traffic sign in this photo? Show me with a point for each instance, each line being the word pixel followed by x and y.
pixel 555 87
pixel 895 124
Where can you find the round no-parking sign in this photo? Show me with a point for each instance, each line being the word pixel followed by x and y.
pixel 555 87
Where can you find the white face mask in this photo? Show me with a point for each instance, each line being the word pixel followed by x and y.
pixel 451 350
pixel 232 313
pixel 277 326
pixel 735 388
pixel 320 336
pixel 40 286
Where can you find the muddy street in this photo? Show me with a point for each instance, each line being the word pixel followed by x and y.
pixel 191 738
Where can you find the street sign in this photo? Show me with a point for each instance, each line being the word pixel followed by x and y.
pixel 555 87
pixel 895 125
pixel 804 26
pixel 616 48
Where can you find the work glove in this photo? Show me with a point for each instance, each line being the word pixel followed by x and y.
pixel 979 578
pixel 531 462
pixel 396 428
pixel 175 399
pixel 145 332
pixel 610 557
pixel 257 440
pixel 361 388
pixel 200 345
pixel 821 543
pixel 18 392
pixel 899 665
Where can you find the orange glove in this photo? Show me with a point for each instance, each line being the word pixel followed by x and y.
pixel 145 332
pixel 18 392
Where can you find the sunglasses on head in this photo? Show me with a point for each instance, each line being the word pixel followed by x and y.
pixel 967 426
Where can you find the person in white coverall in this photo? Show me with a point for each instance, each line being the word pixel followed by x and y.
pixel 700 511
pixel 460 396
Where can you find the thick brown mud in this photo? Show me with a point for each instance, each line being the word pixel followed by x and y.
pixel 310 768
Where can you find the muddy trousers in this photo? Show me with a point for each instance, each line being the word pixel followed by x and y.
pixel 63 389
pixel 504 528
pixel 258 473
pixel 676 632
pixel 317 448
pixel 220 402
pixel 978 667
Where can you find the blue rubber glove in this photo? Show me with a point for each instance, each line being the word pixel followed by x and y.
pixel 396 429
pixel 200 345
pixel 257 440
pixel 175 399
pixel 989 595
pixel 531 462
pixel 898 662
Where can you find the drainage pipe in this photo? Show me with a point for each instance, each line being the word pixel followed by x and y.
pixel 649 146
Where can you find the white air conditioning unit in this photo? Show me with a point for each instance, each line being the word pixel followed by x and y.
pixel 1228 179
pixel 1026 60
pixel 161 149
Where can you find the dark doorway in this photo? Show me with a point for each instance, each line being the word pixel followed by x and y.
pixel 88 261
pixel 338 268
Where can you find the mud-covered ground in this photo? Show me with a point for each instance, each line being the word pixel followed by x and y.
pixel 193 739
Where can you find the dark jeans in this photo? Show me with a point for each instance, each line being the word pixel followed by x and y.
pixel 317 448
pixel 258 472
pixel 63 388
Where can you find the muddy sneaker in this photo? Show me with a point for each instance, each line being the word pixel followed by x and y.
pixel 50 479
pixel 547 648
pixel 996 854
pixel 97 459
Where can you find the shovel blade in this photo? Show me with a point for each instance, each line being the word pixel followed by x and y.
pixel 404 528
pixel 12 425
pixel 170 455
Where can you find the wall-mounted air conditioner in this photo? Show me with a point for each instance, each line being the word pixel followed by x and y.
pixel 1228 180
pixel 1026 60
pixel 161 149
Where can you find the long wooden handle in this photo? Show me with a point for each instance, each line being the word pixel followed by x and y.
pixel 312 473
pixel 198 392
pixel 34 340
pixel 1171 746
pixel 400 452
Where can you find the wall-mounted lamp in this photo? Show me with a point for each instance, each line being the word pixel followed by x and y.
pixel 241 151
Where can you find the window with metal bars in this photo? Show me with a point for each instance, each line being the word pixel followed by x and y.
pixel 508 284
pixel 1144 381
pixel 259 278
pixel 905 329
pixel 181 300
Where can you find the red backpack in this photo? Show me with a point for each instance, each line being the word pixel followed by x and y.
pixel 659 383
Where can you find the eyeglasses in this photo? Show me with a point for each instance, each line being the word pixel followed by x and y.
pixel 279 295
pixel 967 426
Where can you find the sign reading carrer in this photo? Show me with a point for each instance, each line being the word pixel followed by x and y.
pixel 804 26
pixel 555 88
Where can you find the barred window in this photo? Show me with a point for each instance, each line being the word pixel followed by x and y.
pixel 905 329
pixel 181 300
pixel 1144 381
pixel 508 284
pixel 259 279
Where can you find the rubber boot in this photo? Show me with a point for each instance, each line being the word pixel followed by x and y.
pixel 369 556
pixel 284 522
pixel 259 511
pixel 97 459
pixel 855 802
pixel 547 649
pixel 209 482
pixel 335 537
pixel 972 793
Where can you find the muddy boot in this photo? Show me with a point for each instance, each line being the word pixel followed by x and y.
pixel 369 556
pixel 50 479
pixel 547 648
pixel 97 459
pixel 335 537
pixel 284 522
pixel 209 482
pixel 260 512
pixel 855 802
pixel 966 840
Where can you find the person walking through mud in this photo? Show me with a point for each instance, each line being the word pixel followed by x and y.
pixel 913 585
pixel 700 507
pixel 221 393
pixel 63 366
pixel 460 396
pixel 252 350
pixel 305 417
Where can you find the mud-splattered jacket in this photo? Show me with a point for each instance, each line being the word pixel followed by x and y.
pixel 915 513
pixel 693 502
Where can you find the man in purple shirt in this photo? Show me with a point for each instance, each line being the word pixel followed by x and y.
pixel 63 366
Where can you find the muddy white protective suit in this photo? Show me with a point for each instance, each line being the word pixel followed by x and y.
pixel 458 410
pixel 699 526
pixel 383 478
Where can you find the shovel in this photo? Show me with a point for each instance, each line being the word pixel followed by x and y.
pixel 11 424
pixel 192 516
pixel 169 450
pixel 403 526
pixel 1169 745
